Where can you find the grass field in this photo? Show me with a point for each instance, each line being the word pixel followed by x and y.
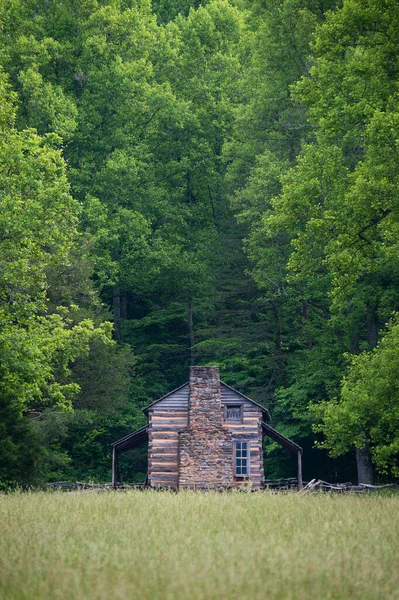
pixel 148 545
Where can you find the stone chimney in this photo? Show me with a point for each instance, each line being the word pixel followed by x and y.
pixel 205 400
pixel 205 446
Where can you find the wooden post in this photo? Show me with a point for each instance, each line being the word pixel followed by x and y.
pixel 113 466
pixel 300 484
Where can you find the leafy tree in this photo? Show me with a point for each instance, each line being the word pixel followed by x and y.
pixel 269 128
pixel 338 204
pixel 181 181
pixel 38 224
pixel 366 411
pixel 167 10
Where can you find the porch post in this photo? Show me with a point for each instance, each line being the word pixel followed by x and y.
pixel 114 459
pixel 300 484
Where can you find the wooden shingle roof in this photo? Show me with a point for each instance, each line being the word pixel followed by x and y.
pixel 179 397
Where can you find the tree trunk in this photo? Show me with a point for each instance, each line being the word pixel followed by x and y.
pixel 280 360
pixel 355 340
pixel 372 330
pixel 218 322
pixel 191 333
pixel 306 317
pixel 123 298
pixel 365 472
pixel 116 303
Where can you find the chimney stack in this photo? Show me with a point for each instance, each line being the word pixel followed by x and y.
pixel 205 401
pixel 205 446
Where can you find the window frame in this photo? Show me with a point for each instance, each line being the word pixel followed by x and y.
pixel 248 473
pixel 239 405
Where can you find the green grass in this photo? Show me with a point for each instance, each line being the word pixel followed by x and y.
pixel 148 545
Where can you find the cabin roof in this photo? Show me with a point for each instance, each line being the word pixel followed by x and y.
pixel 134 439
pixel 264 410
pixel 146 408
pixel 131 440
pixel 281 439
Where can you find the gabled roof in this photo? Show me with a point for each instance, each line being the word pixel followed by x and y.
pixel 263 409
pixel 146 408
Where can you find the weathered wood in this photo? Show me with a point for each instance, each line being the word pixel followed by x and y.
pixel 169 443
pixel 164 468
pixel 167 427
pixel 178 399
pixel 161 458
pixel 161 420
pixel 312 485
pixel 165 435
pixel 164 479
pixel 159 449
pixel 280 439
pixel 250 427
pixel 169 414
pixel 114 459
pixel 165 451
pixel 168 420
pixel 160 411
pixel 163 448
pixel 300 482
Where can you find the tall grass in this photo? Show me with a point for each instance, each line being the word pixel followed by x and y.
pixel 148 545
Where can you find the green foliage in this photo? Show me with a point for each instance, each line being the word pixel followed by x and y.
pixel 339 203
pixel 38 224
pixel 167 10
pixel 366 412
pixel 218 178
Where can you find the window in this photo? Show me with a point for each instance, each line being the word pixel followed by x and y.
pixel 233 412
pixel 241 458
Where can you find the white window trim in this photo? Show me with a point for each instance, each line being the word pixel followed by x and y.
pixel 248 443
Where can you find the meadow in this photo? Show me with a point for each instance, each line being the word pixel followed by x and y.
pixel 166 546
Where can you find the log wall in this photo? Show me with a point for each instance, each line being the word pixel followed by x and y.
pixel 163 449
pixel 163 445
pixel 168 418
pixel 250 430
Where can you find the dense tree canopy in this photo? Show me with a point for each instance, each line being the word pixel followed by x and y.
pixel 186 182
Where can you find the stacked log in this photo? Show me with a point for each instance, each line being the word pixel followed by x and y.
pixel 80 485
pixel 318 485
pixel 284 484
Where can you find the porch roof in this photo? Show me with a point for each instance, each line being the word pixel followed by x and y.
pixel 131 440
pixel 281 439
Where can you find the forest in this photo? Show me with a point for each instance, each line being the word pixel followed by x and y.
pixel 198 183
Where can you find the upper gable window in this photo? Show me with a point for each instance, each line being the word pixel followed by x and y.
pixel 233 412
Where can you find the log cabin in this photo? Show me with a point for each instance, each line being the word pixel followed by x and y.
pixel 204 435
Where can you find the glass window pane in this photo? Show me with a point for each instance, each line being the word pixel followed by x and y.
pixel 233 413
pixel 241 458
